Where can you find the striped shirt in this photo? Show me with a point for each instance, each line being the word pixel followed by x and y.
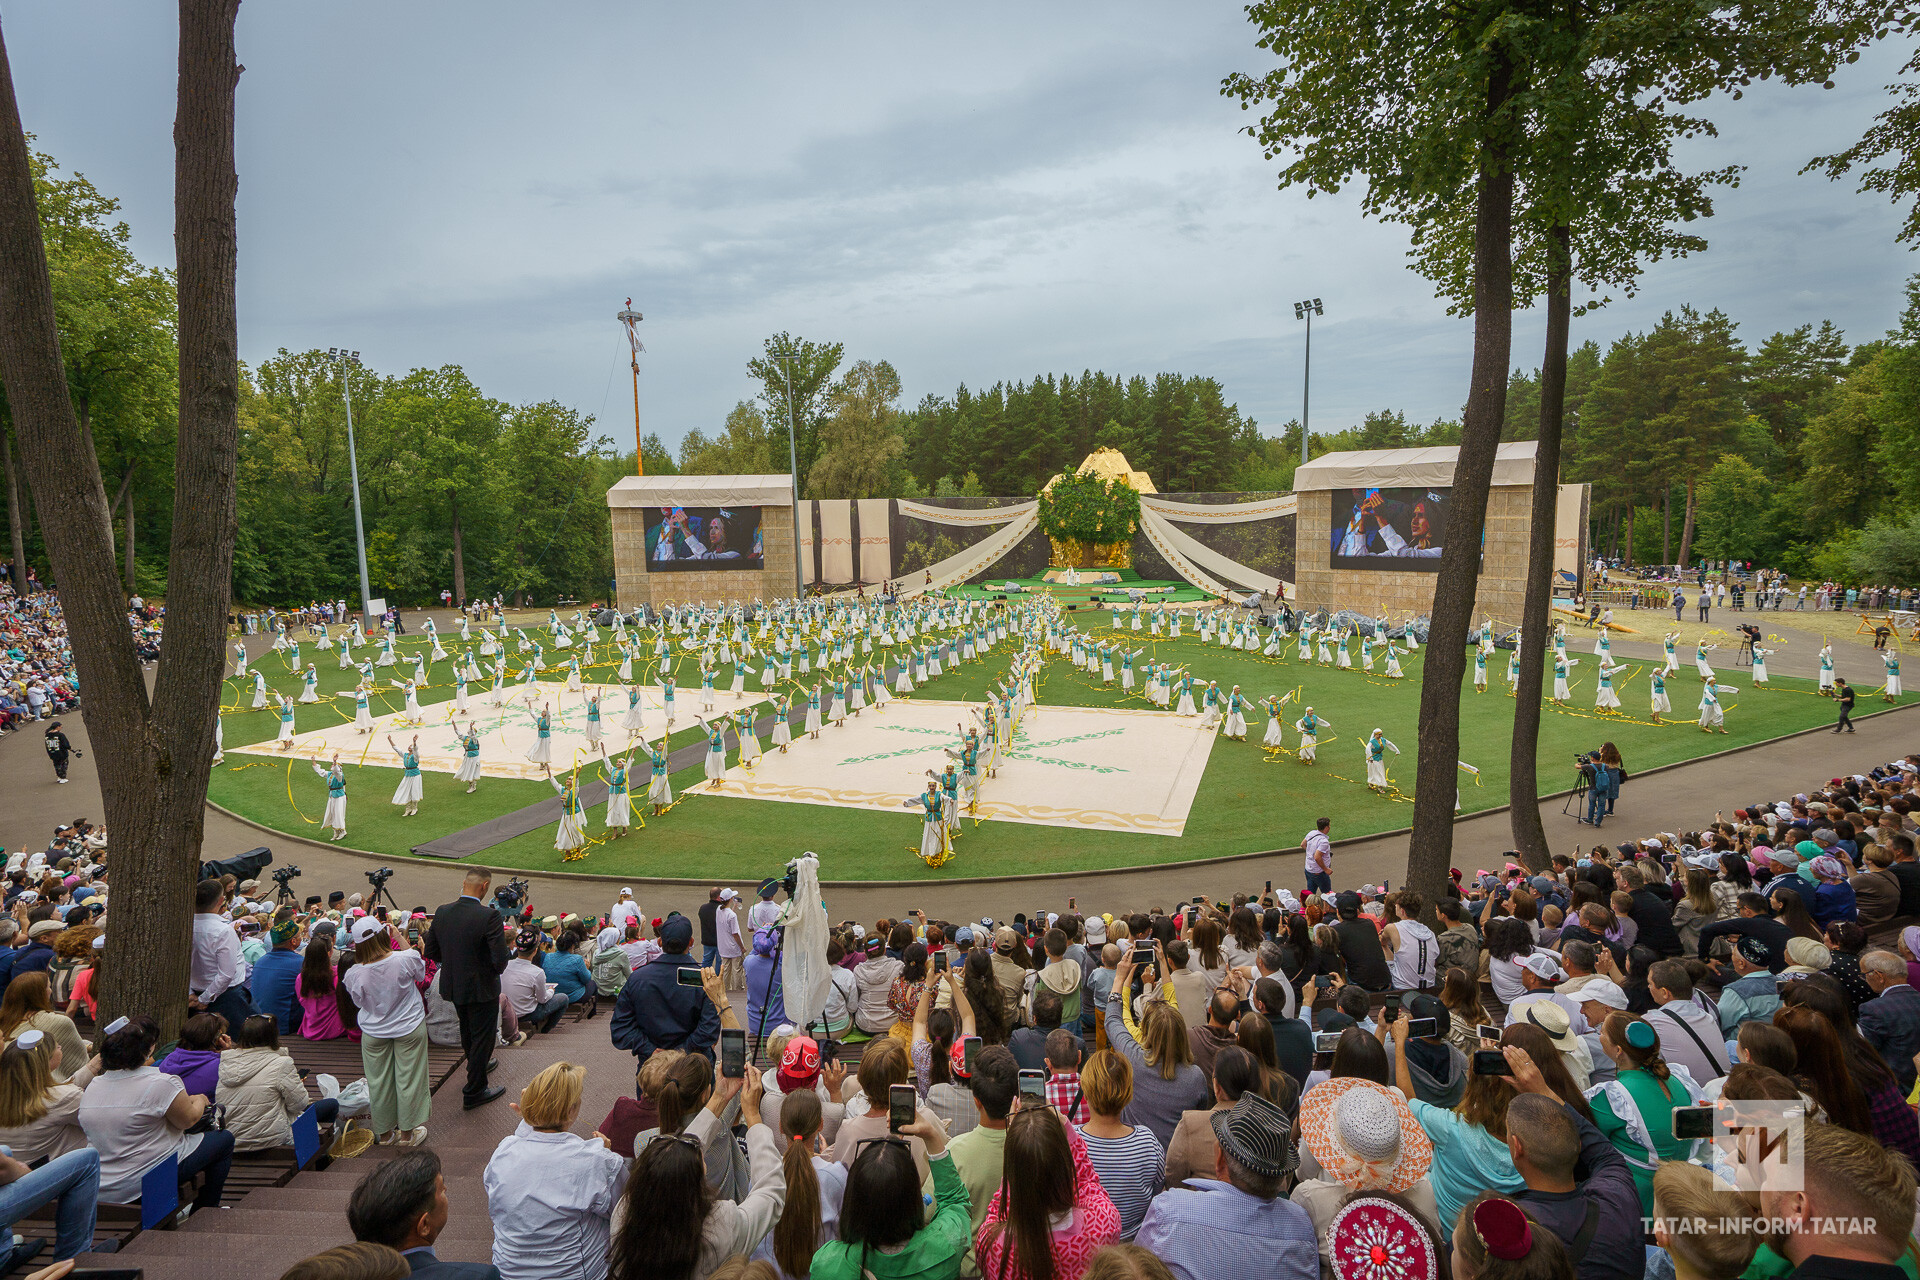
pixel 1131 1170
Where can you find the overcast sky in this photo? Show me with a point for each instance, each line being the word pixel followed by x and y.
pixel 994 193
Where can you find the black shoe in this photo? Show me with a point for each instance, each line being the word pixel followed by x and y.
pixel 493 1092
pixel 493 1065
pixel 25 1253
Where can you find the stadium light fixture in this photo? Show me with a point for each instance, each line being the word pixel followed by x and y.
pixel 1306 310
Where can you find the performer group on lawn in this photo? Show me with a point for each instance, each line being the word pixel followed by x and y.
pixel 848 645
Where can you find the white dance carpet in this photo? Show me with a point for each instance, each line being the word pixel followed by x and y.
pixel 506 732
pixel 1109 770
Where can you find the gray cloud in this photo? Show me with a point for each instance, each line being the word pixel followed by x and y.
pixel 996 193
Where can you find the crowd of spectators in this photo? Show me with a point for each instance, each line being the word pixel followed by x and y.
pixel 37 677
pixel 1304 1085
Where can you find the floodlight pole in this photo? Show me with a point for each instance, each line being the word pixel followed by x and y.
pixel 1306 310
pixel 349 361
pixel 630 318
pixel 793 461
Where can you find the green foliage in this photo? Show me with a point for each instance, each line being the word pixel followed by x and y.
pixel 1085 508
pixel 796 376
pixel 1735 501
pixel 1012 437
pixel 860 439
pixel 919 554
pixel 1886 551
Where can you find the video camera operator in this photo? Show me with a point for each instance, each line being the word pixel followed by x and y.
pixel 1750 637
pixel 1598 780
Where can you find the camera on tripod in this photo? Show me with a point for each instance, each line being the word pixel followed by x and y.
pixel 283 877
pixel 378 879
pixel 511 896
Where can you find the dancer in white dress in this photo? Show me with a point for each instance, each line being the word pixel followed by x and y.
pixel 311 693
pixel 1700 660
pixel 1826 669
pixel 1760 665
pixel 1712 718
pixel 240 658
pixel 541 752
pixel 336 815
pixel 1892 661
pixel 408 793
pixel 716 750
pixel 1604 697
pixel 1561 666
pixel 1309 726
pixel 469 770
pixel 571 837
pixel 1660 702
pixel 1376 750
pixel 259 691
pixel 285 740
pixel 1273 736
pixel 619 801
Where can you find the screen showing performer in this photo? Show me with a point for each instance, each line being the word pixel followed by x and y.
pixel 704 538
pixel 1400 529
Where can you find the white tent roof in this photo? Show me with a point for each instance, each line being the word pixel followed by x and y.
pixel 701 491
pixel 1408 468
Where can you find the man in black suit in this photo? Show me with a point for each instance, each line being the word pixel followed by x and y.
pixel 469 940
pixel 402 1203
pixel 1891 1020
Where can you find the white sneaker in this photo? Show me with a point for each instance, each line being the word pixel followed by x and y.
pixel 413 1138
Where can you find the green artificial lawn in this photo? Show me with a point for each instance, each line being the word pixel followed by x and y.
pixel 1249 800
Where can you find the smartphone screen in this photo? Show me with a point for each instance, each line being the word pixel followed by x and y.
pixel 900 1104
pixel 1033 1084
pixel 1392 1001
pixel 970 1051
pixel 1490 1062
pixel 1487 1031
pixel 1692 1122
pixel 1421 1028
pixel 687 976
pixel 1198 901
pixel 940 961
pixel 1323 980
pixel 1143 953
pixel 733 1052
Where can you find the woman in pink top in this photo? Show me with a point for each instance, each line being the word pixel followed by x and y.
pixel 320 1019
pixel 1061 1214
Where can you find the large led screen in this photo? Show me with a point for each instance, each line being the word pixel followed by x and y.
pixel 1397 529
pixel 682 538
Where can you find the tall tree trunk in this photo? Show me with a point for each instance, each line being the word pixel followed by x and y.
pixel 1523 788
pixel 1630 511
pixel 129 550
pixel 1437 784
pixel 153 757
pixel 1666 524
pixel 16 513
pixel 1686 528
pixel 459 555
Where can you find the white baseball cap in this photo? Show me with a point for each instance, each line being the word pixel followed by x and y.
pixel 365 928
pixel 1543 965
pixel 728 895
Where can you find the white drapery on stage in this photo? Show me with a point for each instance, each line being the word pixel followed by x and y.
pixel 972 517
pixel 977 558
pixel 876 540
pixel 836 542
pixel 1227 513
pixel 1190 557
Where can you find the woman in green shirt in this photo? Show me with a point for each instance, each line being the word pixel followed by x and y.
pixel 882 1208
pixel 1635 1109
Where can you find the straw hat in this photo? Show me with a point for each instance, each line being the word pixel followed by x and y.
pixel 1364 1135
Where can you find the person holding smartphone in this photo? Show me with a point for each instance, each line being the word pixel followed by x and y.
pixel 655 1011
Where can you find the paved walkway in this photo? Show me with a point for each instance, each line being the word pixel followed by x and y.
pixel 1682 796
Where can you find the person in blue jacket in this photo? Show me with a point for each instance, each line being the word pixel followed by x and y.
pixel 567 971
pixel 274 974
pixel 655 1012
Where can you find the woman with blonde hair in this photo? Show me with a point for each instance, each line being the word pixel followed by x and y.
pixel 1129 1159
pixel 1713 1244
pixel 1166 1081
pixel 1126 1262
pixel 393 1031
pixel 28 1006
pixel 551 1193
pixel 39 1115
pixel 1696 910
pixel 815 1185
